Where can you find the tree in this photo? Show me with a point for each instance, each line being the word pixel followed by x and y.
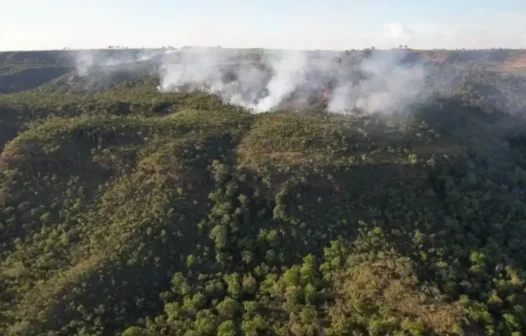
pixel 206 322
pixel 249 284
pixel 233 285
pixel 227 308
pixel 134 331
pixel 227 328
pixel 310 294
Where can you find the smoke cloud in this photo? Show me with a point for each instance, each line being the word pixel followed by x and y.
pixel 382 82
pixel 266 80
pixel 88 60
pixel 387 86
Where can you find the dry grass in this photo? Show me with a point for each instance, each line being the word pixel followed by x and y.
pixel 389 285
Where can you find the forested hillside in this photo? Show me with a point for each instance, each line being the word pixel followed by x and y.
pixel 129 211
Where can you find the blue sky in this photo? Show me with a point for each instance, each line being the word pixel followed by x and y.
pixel 295 24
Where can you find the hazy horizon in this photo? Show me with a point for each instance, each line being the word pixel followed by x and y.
pixel 289 24
pixel 124 48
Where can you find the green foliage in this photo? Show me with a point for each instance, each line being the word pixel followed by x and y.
pixel 125 211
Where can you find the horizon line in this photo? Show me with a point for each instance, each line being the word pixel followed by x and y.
pixel 113 48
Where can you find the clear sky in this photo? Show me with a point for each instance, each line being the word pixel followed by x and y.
pixel 295 24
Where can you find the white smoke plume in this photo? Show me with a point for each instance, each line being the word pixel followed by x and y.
pixel 378 83
pixel 258 86
pixel 289 73
pixel 265 80
pixel 87 60
pixel 387 86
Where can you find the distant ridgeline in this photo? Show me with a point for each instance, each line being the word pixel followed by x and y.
pixel 129 209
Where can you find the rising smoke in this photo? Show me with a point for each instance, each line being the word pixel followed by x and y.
pixel 86 61
pixel 381 81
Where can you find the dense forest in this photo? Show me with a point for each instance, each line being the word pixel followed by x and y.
pixel 129 211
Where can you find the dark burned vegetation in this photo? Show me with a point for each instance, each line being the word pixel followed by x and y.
pixel 125 211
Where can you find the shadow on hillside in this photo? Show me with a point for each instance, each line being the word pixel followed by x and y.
pixel 456 118
pixel 384 194
pixel 27 78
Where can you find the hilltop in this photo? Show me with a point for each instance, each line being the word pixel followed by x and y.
pixel 126 210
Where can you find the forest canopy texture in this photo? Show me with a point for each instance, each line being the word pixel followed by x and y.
pixel 128 208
